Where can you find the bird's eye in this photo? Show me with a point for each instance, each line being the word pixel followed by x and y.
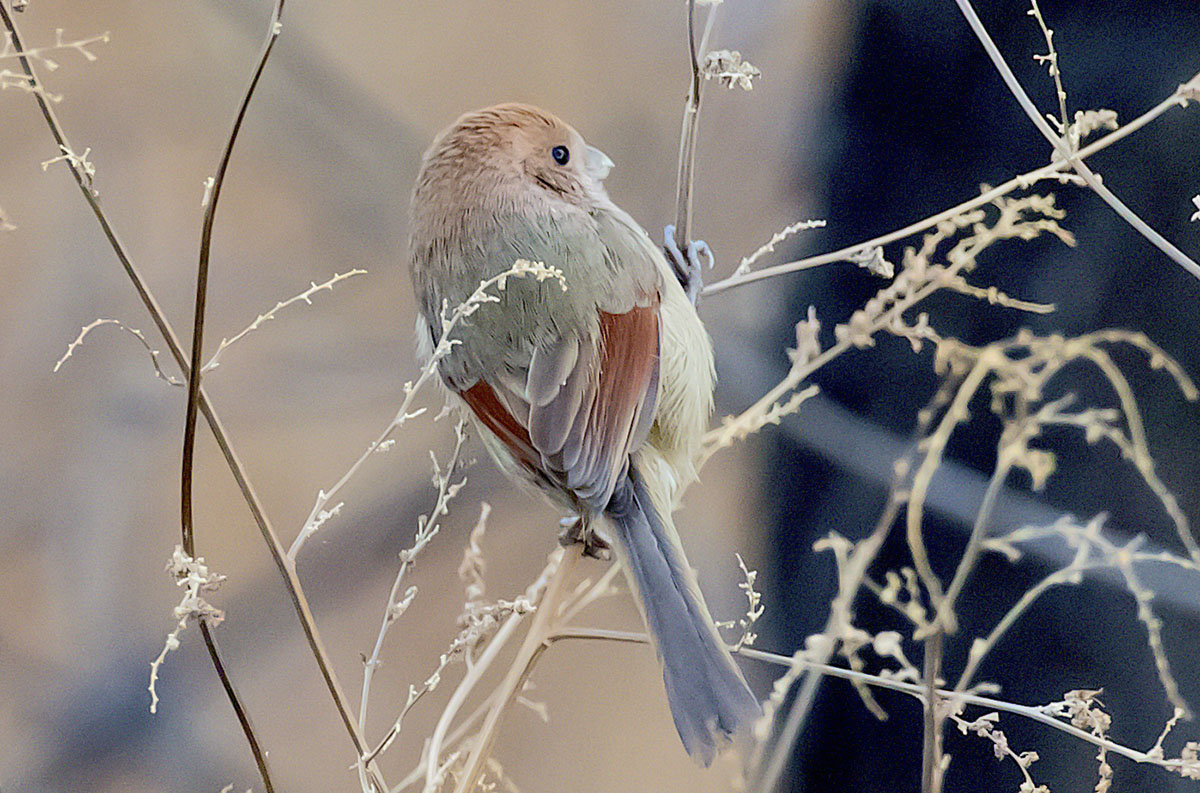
pixel 561 154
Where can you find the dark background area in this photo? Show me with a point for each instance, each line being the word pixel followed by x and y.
pixel 921 107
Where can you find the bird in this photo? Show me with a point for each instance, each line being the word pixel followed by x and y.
pixel 597 395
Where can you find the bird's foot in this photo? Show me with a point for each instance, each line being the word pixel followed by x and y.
pixel 576 530
pixel 689 267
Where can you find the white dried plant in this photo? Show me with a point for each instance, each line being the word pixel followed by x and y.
pixel 78 162
pixel 194 576
pixel 728 68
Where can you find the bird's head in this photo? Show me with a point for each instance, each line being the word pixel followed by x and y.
pixel 516 152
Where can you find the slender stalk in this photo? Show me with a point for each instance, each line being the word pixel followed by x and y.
pixel 453 738
pixel 1064 149
pixel 945 610
pixel 459 697
pixel 770 770
pixel 982 647
pixel 196 365
pixel 193 387
pixel 443 478
pixel 1051 60
pixel 544 622
pixel 849 583
pixel 83 180
pixel 534 593
pixel 443 737
pixel 919 691
pixel 243 717
pixel 935 447
pixel 1024 180
pixel 691 119
pixel 931 754
pixel 216 426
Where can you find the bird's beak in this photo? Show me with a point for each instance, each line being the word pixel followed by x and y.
pixel 598 164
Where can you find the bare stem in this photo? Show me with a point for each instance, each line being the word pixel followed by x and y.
pixel 196 364
pixel 975 543
pixel 771 768
pixel 850 581
pixel 210 210
pixel 459 698
pixel 691 119
pixel 931 753
pixel 286 569
pixel 1053 170
pixel 454 736
pixel 935 446
pixel 981 647
pixel 193 387
pixel 239 710
pixel 1051 61
pixel 1063 148
pixel 919 691
pixel 544 622
pixel 428 528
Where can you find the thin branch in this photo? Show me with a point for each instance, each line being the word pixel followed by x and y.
pixel 850 580
pixel 1038 713
pixel 434 750
pixel 691 118
pixel 305 297
pixel 966 565
pixel 934 447
pixel 1093 551
pixel 1177 99
pixel 12 48
pixel 1050 59
pixel 533 594
pixel 931 740
pixel 210 212
pixel 427 529
pixel 443 738
pixel 84 181
pixel 769 246
pixel 457 734
pixel 770 769
pixel 544 621
pixel 902 294
pixel 194 377
pixel 137 334
pixel 1138 451
pixel 1063 149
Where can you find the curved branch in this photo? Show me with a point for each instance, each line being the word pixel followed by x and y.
pixel 544 621
pixel 1053 170
pixel 216 426
pixel 1064 149
pixel 916 690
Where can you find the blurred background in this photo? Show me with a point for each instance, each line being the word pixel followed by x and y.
pixel 869 114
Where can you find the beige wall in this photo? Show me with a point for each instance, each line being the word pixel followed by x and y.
pixel 319 184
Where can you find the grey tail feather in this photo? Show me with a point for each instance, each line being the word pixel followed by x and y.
pixel 709 698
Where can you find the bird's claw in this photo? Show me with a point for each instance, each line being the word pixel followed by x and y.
pixel 689 267
pixel 576 530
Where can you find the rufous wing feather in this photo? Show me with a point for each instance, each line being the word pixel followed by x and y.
pixel 590 404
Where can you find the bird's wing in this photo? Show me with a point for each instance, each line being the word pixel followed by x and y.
pixel 583 397
pixel 584 405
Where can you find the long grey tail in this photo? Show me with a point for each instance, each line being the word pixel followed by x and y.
pixel 709 698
